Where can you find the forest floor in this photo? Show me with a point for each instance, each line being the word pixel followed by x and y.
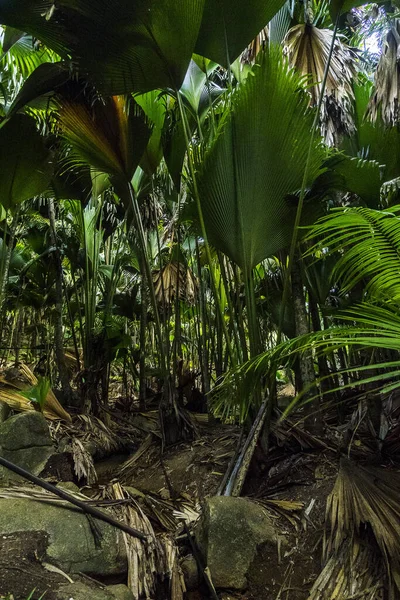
pixel 292 484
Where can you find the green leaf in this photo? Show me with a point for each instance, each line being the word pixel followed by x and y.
pixel 228 26
pixel 47 77
pixel 38 393
pixel 26 168
pixel 255 166
pixel 361 177
pixel 11 36
pixel 154 107
pixel 121 46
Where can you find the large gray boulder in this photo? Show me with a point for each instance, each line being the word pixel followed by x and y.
pixel 71 542
pixel 25 440
pixel 229 534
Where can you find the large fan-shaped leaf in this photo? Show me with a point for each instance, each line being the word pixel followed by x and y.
pixel 228 26
pixel 257 163
pixel 25 166
pixel 123 46
pixel 46 78
pixel 110 135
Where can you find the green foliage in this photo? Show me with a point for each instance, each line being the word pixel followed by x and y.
pixel 124 47
pixel 38 393
pixel 26 167
pixel 371 240
pixel 256 165
pixel 228 26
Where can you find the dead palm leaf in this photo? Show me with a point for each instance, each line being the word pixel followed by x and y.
pixel 11 396
pixel 249 56
pixel 385 100
pixel 365 505
pixel 353 573
pixel 175 278
pixel 148 562
pixel 307 48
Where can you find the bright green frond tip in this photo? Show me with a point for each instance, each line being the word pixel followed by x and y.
pixel 38 393
pixel 257 163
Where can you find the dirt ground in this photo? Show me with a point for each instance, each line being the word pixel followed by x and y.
pixel 302 477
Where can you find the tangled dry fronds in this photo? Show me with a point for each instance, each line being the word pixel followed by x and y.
pixel 363 516
pixel 14 381
pixel 385 100
pixel 307 48
pixel 353 572
pixel 175 278
pixel 83 462
pixel 148 563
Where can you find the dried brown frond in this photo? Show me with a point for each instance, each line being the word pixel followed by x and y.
pixel 175 278
pixel 385 100
pixel 94 430
pixel 24 380
pixel 365 505
pixel 35 493
pixel 249 56
pixel 83 462
pixel 127 466
pixel 148 563
pixel 355 572
pixel 307 48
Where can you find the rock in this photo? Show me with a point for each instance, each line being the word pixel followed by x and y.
pixel 120 592
pixel 229 534
pixel 71 544
pixel 25 430
pixel 4 411
pixel 190 572
pixel 81 591
pixel 25 440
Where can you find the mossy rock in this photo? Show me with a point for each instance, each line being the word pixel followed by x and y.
pixel 229 534
pixel 72 545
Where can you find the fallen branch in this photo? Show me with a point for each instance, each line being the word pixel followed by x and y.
pixel 91 510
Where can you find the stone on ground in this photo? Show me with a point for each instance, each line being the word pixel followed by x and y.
pixel 25 440
pixel 120 592
pixel 71 542
pixel 229 534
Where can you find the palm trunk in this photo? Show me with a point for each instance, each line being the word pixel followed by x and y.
pixel 5 270
pixel 306 374
pixel 58 321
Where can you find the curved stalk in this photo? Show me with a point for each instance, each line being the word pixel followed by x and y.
pixel 203 229
pixel 148 275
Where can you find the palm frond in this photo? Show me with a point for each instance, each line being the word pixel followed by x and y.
pixel 175 278
pixel 366 500
pixel 9 393
pixel 307 48
pixel 228 26
pixel 121 47
pixel 385 100
pixel 257 162
pixel 372 242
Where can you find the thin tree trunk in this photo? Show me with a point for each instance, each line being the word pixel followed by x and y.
pixel 6 269
pixel 142 360
pixel 306 364
pixel 58 321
